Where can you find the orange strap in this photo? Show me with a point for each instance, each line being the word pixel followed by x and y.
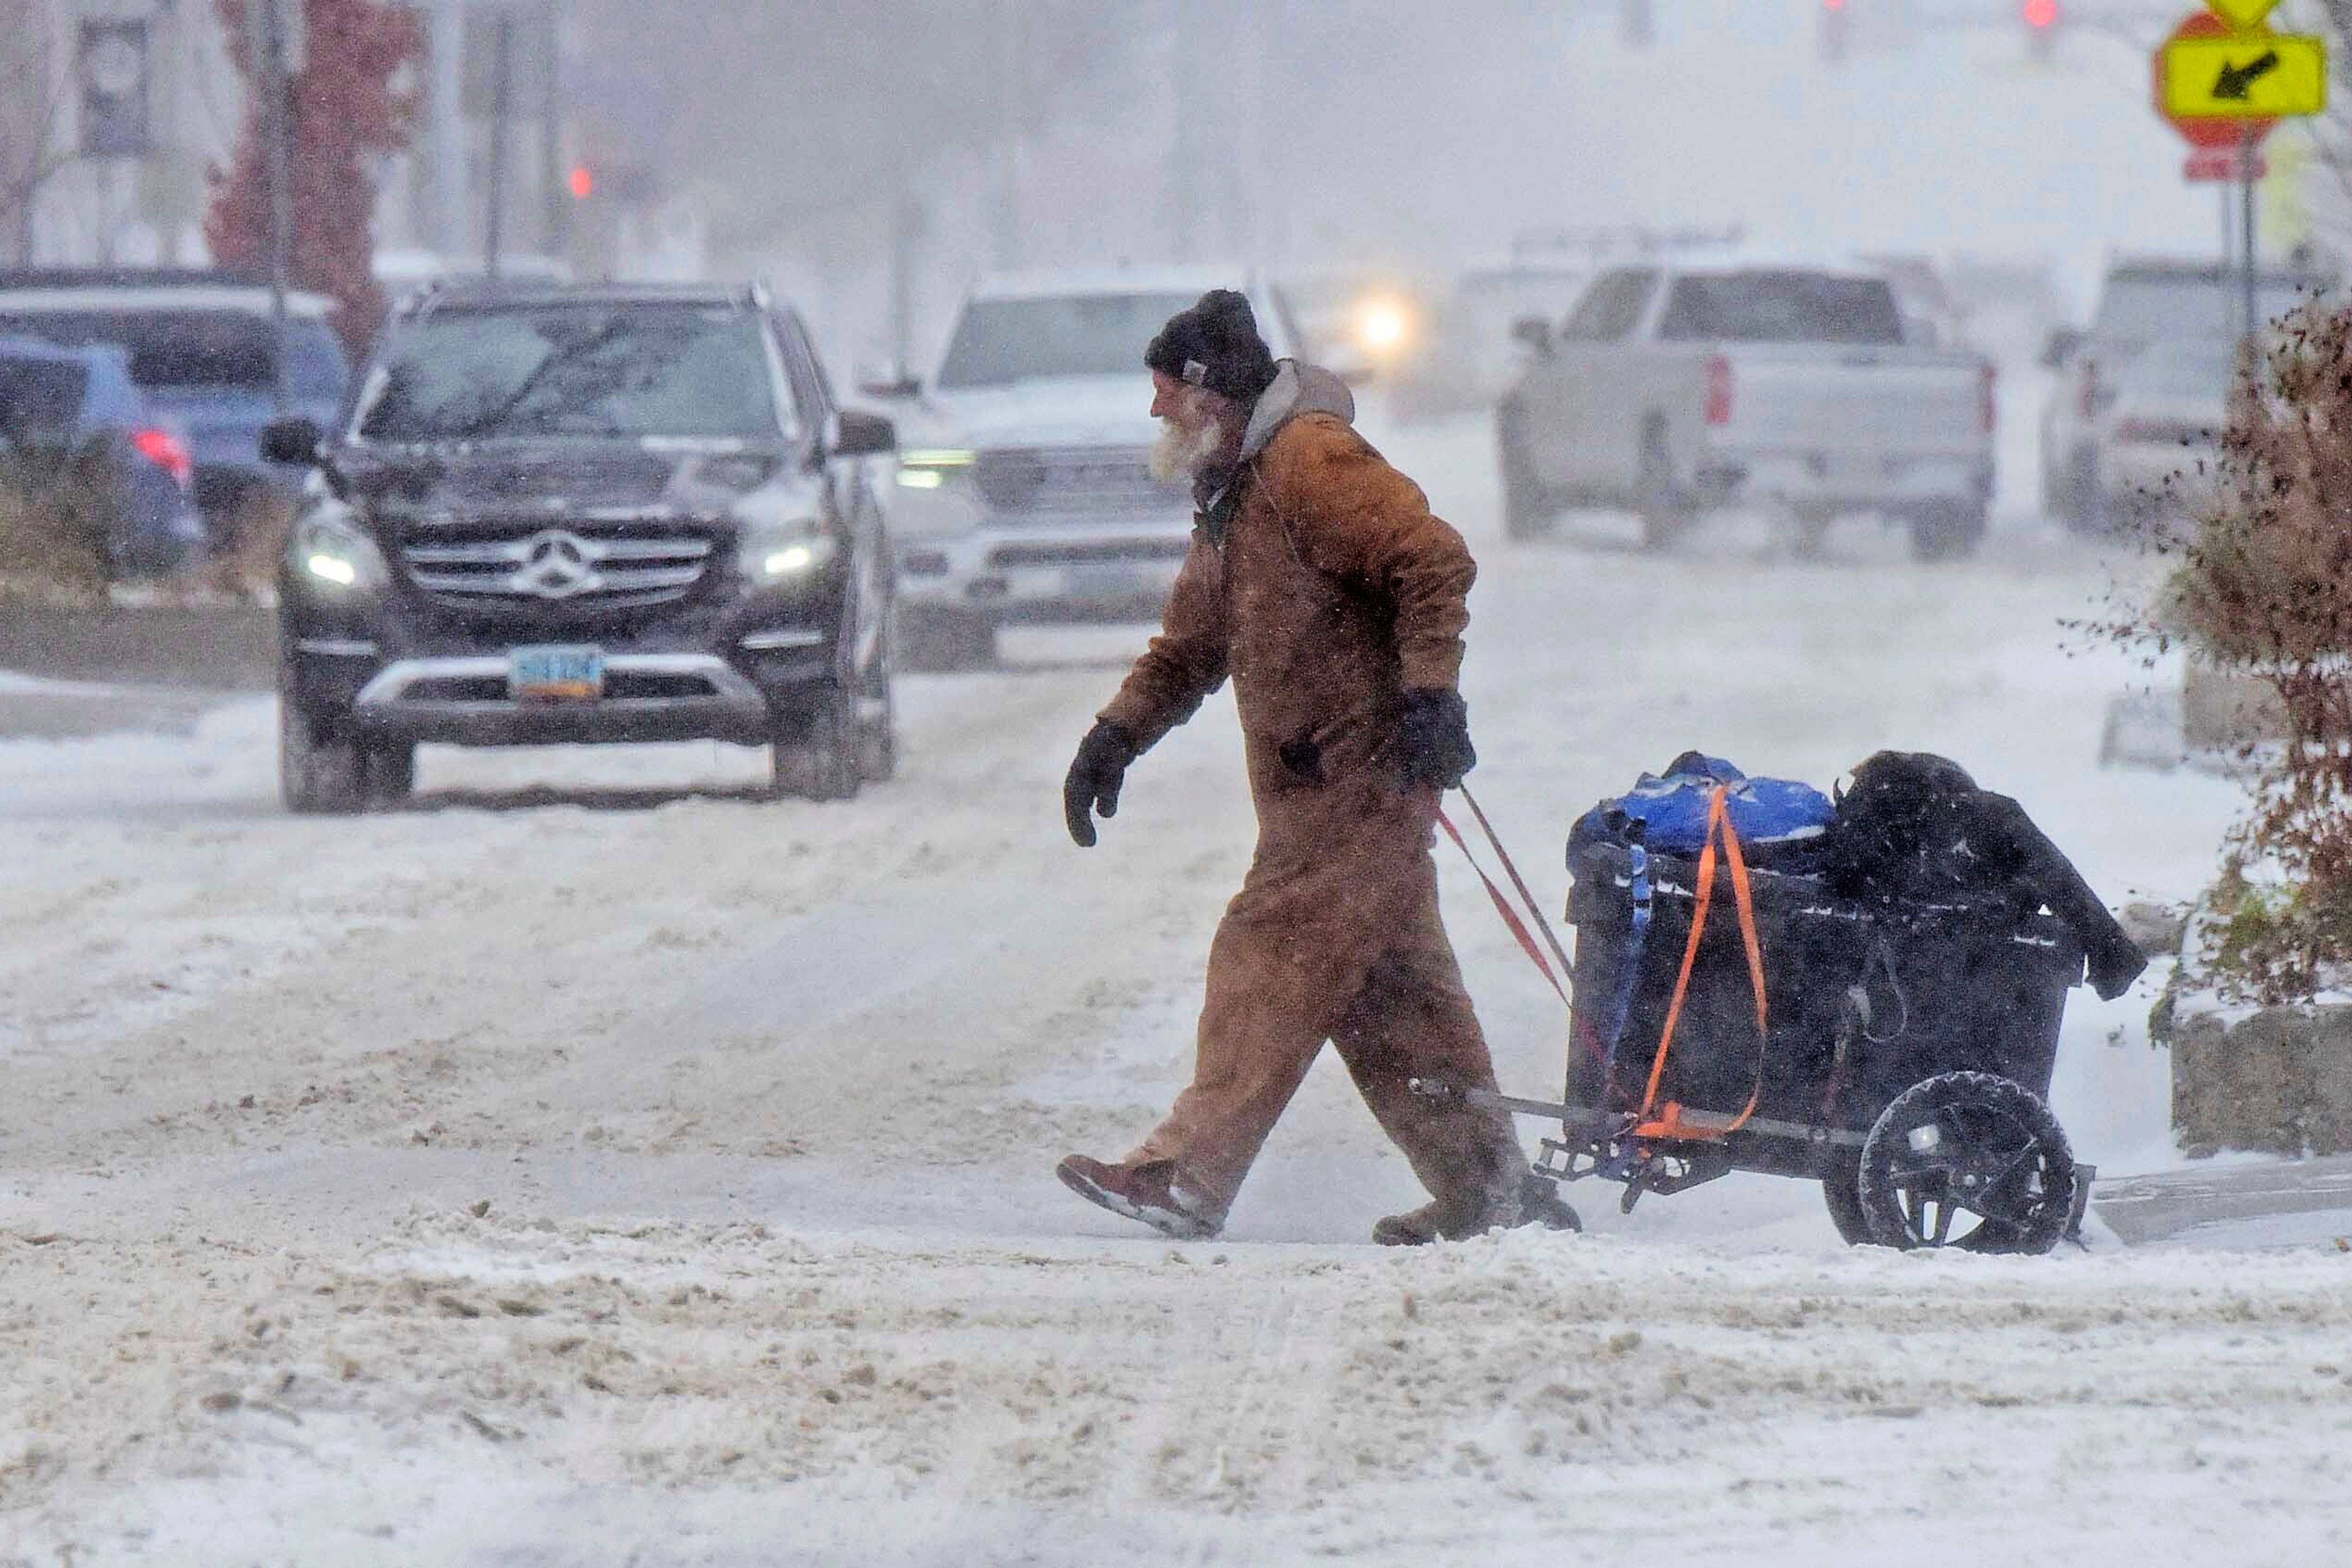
pixel 1669 1122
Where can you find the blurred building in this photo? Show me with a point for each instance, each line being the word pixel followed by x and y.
pixel 113 113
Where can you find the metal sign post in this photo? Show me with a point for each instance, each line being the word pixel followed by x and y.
pixel 2249 236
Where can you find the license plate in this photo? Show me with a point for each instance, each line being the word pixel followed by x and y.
pixel 555 674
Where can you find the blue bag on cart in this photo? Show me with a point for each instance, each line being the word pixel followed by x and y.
pixel 1783 826
pixel 1781 822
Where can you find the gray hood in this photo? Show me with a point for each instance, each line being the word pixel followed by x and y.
pixel 1299 388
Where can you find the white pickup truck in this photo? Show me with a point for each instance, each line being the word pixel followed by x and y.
pixel 1024 490
pixel 1672 389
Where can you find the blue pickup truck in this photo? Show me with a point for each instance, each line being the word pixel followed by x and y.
pixel 202 354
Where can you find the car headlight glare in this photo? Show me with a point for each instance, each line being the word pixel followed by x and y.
pixel 927 467
pixel 1382 326
pixel 794 548
pixel 332 555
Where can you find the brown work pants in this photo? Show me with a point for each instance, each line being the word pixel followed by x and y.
pixel 1336 935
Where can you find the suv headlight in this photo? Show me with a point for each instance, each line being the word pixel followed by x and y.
pixel 331 557
pixel 792 548
pixel 929 468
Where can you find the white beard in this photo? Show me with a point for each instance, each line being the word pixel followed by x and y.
pixel 1179 454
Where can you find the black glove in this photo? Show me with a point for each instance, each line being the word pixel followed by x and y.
pixel 1095 777
pixel 1433 738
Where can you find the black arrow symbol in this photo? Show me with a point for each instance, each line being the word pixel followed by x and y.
pixel 2232 85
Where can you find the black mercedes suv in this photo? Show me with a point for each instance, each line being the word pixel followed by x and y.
pixel 585 514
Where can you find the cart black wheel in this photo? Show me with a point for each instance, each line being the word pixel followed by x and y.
pixel 1968 1160
pixel 1842 1191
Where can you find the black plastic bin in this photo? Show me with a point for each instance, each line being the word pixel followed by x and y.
pixel 1867 1003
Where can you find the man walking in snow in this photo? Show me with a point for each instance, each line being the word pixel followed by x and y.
pixel 1318 581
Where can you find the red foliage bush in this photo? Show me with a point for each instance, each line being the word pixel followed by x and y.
pixel 345 114
pixel 2265 586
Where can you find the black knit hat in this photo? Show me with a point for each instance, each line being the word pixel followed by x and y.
pixel 1215 344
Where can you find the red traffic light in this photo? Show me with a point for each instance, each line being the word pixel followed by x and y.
pixel 2041 15
pixel 583 181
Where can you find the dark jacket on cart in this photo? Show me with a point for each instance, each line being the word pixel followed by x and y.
pixel 1913 825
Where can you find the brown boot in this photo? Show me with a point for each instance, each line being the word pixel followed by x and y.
pixel 1472 1214
pixel 1540 1204
pixel 1149 1191
pixel 1537 1203
pixel 1414 1227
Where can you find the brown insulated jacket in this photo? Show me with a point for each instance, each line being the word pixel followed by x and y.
pixel 1332 589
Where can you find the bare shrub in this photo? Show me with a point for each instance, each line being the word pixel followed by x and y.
pixel 247 568
pixel 55 509
pixel 2263 585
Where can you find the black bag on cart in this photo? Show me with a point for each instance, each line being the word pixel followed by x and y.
pixel 1914 826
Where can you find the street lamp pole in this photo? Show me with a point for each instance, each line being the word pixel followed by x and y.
pixel 447 107
pixel 277 130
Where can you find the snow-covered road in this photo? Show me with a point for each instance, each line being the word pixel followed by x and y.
pixel 599 1163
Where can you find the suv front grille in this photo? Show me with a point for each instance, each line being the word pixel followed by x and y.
pixel 1100 481
pixel 1088 553
pixel 587 565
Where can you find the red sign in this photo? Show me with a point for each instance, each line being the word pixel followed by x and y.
pixel 2227 137
pixel 2213 165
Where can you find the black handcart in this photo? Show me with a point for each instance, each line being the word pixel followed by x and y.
pixel 1904 1060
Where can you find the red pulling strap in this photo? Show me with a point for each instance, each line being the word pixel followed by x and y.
pixel 1503 905
pixel 1519 882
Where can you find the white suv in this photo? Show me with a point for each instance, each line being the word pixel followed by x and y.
pixel 1023 490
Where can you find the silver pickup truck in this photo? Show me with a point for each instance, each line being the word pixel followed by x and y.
pixel 1673 389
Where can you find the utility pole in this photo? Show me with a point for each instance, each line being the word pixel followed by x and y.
pixel 273 81
pixel 166 197
pixel 446 104
pixel 906 233
pixel 554 188
pixel 501 112
pixel 1185 152
pixel 1015 67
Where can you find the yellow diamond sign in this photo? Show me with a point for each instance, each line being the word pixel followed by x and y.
pixel 2243 14
pixel 2261 76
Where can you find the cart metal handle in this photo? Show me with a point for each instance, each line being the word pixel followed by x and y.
pixel 1584 1121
